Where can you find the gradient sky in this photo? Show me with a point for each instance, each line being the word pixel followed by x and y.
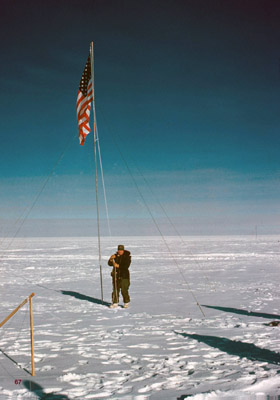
pixel 189 91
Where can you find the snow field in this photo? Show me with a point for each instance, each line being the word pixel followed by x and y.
pixel 162 347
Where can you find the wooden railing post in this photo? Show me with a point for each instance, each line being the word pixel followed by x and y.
pixel 31 334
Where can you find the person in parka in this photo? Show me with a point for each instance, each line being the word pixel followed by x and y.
pixel 120 261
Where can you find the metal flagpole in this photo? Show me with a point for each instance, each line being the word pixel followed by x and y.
pixel 102 175
pixel 95 161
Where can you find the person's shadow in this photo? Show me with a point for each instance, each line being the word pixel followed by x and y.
pixel 39 392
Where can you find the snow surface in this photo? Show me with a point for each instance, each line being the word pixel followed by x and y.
pixel 162 347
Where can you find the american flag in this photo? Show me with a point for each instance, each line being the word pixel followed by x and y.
pixel 85 96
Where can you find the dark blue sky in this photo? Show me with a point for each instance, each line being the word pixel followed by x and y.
pixel 189 90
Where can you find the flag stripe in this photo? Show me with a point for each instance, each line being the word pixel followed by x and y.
pixel 83 104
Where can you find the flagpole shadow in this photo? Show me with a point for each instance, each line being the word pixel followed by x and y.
pixel 237 348
pixel 243 312
pixel 80 296
pixel 38 391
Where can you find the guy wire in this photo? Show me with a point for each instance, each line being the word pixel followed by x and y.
pixel 160 232
pixel 40 192
pixel 170 221
pixel 156 225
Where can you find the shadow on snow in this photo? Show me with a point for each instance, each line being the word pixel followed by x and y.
pixel 244 312
pixel 14 361
pixel 236 348
pixel 80 296
pixel 41 394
